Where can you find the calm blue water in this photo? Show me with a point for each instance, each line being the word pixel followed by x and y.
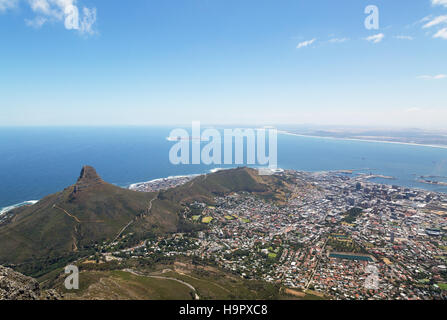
pixel 35 162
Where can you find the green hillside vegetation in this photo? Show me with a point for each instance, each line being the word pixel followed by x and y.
pixel 205 188
pixel 209 285
pixel 352 215
pixel 69 224
pixel 121 285
pixel 156 282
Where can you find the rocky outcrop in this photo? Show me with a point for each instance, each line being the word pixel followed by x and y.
pixel 16 286
pixel 50 295
pixel 88 179
pixel 89 175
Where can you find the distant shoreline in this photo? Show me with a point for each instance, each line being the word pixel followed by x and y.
pixel 192 175
pixel 4 210
pixel 364 140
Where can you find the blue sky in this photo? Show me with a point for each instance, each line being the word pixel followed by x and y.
pixel 142 62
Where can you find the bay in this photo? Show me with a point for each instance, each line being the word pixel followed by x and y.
pixel 37 161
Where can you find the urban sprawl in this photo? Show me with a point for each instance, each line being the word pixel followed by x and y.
pixel 337 235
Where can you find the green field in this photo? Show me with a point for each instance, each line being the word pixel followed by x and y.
pixel 442 286
pixel 207 219
pixel 272 255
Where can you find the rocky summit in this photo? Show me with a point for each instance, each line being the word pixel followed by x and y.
pixel 88 178
pixel 16 286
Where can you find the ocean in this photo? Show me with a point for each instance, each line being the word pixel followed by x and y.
pixel 35 162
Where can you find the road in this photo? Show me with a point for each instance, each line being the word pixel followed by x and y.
pixel 196 296
pixel 133 220
pixel 316 265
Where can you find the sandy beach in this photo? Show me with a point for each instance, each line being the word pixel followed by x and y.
pixel 364 140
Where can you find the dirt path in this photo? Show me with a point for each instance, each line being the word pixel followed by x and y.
pixel 135 273
pixel 67 213
pixel 133 220
pixel 76 218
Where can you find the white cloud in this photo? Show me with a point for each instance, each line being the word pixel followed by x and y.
pixel 404 37
pixel 441 34
pixel 305 43
pixel 435 77
pixel 435 21
pixel 66 11
pixel 439 3
pixel 7 4
pixel 423 20
pixel 36 22
pixel 40 6
pixel 375 38
pixel 338 40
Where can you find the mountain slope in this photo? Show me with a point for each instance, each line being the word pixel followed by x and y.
pixel 65 226
pixel 89 211
pixel 204 188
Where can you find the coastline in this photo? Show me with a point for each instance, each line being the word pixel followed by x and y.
pixel 363 140
pixel 4 210
pixel 18 205
pixel 193 175
pixel 132 186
